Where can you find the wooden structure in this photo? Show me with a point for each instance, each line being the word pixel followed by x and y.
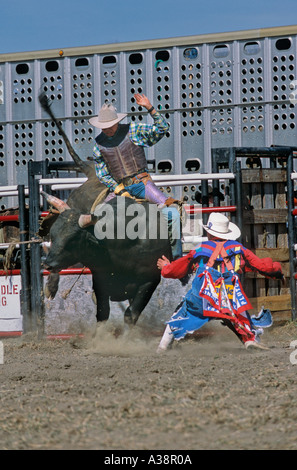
pixel 265 214
pixel 265 231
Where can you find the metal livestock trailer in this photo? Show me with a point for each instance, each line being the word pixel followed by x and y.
pixel 216 90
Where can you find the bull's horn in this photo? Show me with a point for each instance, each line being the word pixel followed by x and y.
pixel 54 201
pixel 85 220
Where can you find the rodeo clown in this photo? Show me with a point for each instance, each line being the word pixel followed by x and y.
pixel 121 165
pixel 216 291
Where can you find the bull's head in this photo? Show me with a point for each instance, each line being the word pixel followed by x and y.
pixel 84 220
pixel 66 235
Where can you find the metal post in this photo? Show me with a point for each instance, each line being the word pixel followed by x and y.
pixel 291 233
pixel 25 271
pixel 219 156
pixel 37 307
pixel 204 199
pixel 236 194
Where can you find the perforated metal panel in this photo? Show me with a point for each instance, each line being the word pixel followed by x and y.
pixel 3 176
pixel 82 101
pixel 215 91
pixel 283 72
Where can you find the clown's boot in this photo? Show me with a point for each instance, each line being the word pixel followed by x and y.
pixel 166 340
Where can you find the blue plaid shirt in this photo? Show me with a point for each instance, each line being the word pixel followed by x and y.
pixel 142 134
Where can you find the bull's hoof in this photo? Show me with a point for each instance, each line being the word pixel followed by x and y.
pixel 129 319
pixel 48 294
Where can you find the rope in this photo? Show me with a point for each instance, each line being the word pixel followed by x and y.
pixel 7 260
pixel 37 240
pixel 68 291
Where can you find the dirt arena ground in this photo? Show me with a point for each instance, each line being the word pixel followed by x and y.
pixel 115 392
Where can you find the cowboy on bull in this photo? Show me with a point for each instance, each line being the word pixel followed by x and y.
pixel 121 165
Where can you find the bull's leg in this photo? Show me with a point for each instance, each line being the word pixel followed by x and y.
pixel 139 302
pixel 52 285
pixel 102 300
pixel 102 309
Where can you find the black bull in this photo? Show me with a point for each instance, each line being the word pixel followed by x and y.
pixel 122 268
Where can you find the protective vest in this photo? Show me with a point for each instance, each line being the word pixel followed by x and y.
pixel 125 158
pixel 234 252
pixel 223 293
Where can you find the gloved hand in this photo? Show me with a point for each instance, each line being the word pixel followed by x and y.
pixel 171 200
pixel 120 191
pixel 145 179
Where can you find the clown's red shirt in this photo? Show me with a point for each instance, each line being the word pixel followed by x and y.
pixel 242 259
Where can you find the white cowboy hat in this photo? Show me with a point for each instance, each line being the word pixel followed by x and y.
pixel 220 226
pixel 107 117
